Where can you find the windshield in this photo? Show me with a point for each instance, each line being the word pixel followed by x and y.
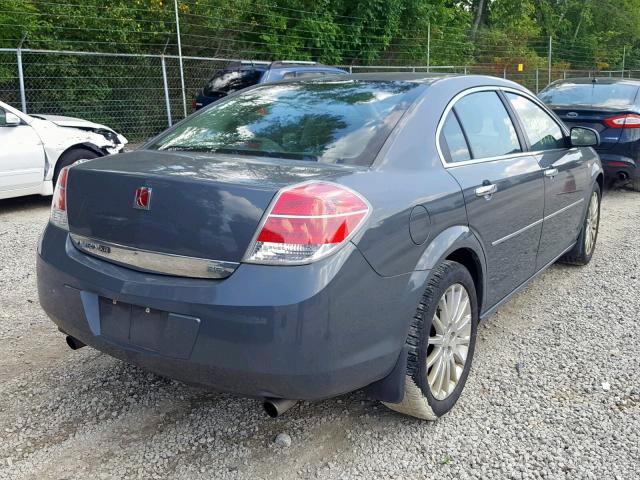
pixel 342 122
pixel 598 95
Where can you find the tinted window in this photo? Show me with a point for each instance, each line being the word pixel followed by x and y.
pixel 333 122
pixel 612 95
pixel 309 74
pixel 229 81
pixel 541 130
pixel 487 124
pixel 290 75
pixel 454 140
pixel 3 117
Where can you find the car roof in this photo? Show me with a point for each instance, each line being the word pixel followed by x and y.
pixel 598 80
pixel 280 64
pixel 469 81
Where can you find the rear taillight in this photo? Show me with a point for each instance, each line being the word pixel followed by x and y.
pixel 59 202
pixel 194 105
pixel 630 120
pixel 307 222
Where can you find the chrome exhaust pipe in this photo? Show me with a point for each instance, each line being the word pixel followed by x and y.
pixel 277 406
pixel 74 343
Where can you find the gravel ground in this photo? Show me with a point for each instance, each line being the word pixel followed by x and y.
pixel 554 391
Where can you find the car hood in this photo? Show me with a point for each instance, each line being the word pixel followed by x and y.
pixel 73 122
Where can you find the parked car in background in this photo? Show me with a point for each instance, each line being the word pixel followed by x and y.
pixel 304 239
pixel 34 148
pixel 239 75
pixel 611 106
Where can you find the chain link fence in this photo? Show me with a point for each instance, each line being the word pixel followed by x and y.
pixel 140 95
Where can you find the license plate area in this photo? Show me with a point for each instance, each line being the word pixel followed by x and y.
pixel 165 333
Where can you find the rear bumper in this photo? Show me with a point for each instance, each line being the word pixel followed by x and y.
pixel 614 164
pixel 305 332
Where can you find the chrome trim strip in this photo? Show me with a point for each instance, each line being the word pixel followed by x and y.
pixel 564 209
pixel 154 262
pixel 537 222
pixel 486 88
pixel 517 232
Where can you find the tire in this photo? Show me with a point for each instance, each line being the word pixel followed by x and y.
pixel 421 399
pixel 69 158
pixel 582 251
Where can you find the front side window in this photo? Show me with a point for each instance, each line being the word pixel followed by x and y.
pixel 344 122
pixel 541 130
pixel 487 125
pixel 454 141
pixel 3 117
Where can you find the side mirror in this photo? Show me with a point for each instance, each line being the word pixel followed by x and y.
pixel 9 119
pixel 584 137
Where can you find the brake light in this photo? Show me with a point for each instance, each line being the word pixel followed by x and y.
pixel 307 222
pixel 194 105
pixel 629 120
pixel 59 202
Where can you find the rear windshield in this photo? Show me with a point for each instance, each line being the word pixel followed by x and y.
pixel 227 81
pixel 343 122
pixel 614 96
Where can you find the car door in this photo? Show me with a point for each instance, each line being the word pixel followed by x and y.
pixel 566 176
pixel 21 156
pixel 502 186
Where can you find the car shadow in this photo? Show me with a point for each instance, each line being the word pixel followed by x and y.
pixel 30 202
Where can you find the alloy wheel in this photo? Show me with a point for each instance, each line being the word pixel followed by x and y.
pixel 449 341
pixel 591 227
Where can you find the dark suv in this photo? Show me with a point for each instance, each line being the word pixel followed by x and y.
pixel 612 107
pixel 239 75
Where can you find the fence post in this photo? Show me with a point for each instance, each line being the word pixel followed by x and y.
pixel 184 95
pixel 428 45
pixel 550 48
pixel 624 57
pixel 23 95
pixel 166 89
pixel 537 80
pixel 504 72
pixel 350 68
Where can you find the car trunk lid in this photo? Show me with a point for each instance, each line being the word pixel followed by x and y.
pixel 202 206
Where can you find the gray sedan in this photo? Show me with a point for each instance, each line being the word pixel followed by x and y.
pixel 300 240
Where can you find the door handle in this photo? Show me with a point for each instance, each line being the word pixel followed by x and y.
pixel 486 190
pixel 550 172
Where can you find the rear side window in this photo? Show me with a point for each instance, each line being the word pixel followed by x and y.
pixel 228 81
pixel 541 130
pixel 487 125
pixel 453 141
pixel 597 95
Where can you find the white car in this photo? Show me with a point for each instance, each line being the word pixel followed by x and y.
pixel 34 148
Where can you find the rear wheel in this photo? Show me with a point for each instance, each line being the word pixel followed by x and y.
pixel 71 157
pixel 583 250
pixel 441 343
pixel 635 184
